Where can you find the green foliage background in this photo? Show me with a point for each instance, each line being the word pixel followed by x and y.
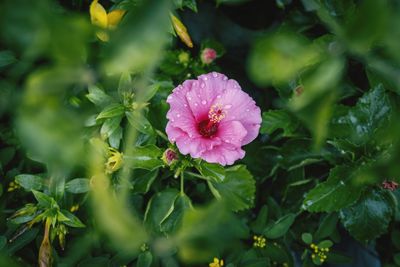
pixel 83 135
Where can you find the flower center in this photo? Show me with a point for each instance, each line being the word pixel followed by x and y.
pixel 209 127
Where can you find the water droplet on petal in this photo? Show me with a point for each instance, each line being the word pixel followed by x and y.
pixel 189 98
pixel 205 78
pixel 225 78
pixel 218 96
pixel 228 106
pixel 185 105
pixel 173 139
pixel 215 75
pixel 227 141
pixel 169 97
pixel 203 85
pixel 172 119
pixel 196 104
pixel 203 102
pixel 178 115
pixel 247 110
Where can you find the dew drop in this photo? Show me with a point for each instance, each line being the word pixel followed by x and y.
pixel 203 102
pixel 218 96
pixel 227 141
pixel 178 115
pixel 173 139
pixel 169 97
pixel 215 75
pixel 205 78
pixel 225 78
pixel 189 98
pixel 172 119
pixel 185 105
pixel 196 104
pixel 203 85
pixel 228 106
pixel 247 110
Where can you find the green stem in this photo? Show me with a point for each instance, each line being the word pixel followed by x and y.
pixel 182 184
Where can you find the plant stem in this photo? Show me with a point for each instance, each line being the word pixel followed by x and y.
pixel 182 184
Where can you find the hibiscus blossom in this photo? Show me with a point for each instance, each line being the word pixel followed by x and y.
pixel 212 118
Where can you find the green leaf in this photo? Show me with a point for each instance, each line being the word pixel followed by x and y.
pixel 3 242
pixel 30 182
pixel 396 258
pixel 145 259
pixel 277 253
pixel 112 110
pixel 212 171
pixel 237 190
pixel 139 121
pixel 261 221
pixel 98 96
pixel 280 227
pixel 337 192
pixel 307 238
pixel 22 240
pixel 142 180
pixel 115 138
pixel 78 186
pixel 125 86
pixel 359 124
pixel 110 125
pixel 279 57
pixel 327 226
pixel 279 119
pixel 159 208
pixel 145 157
pixel 174 220
pixel 6 58
pixel 44 200
pixel 325 244
pixel 370 216
pixel 72 221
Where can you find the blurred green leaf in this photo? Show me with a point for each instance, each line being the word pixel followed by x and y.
pixel 98 96
pixel 73 220
pixel 44 200
pixel 139 121
pixel 145 259
pixel 78 186
pixel 279 119
pixel 30 182
pixel 327 226
pixel 307 238
pixel 6 58
pixel 280 57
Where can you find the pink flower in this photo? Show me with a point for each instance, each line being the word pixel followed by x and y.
pixel 208 55
pixel 212 118
pixel 390 185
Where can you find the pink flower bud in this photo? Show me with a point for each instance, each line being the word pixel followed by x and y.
pixel 208 55
pixel 170 157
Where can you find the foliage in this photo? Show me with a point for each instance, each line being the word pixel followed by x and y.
pixel 86 180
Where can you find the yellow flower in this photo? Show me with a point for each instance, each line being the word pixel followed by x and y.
pixel 104 20
pixel 216 263
pixel 181 31
pixel 259 241
pixel 13 186
pixel 74 208
pixel 114 161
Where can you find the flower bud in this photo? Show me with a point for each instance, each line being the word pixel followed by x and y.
pixel 114 161
pixel 45 251
pixel 184 57
pixel 170 157
pixel 208 55
pixel 181 31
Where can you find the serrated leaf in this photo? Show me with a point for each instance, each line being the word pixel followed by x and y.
pixel 78 186
pixel 370 216
pixel 237 190
pixel 359 124
pixel 279 119
pixel 337 192
pixel 30 182
pixel 280 227
pixel 145 157
pixel 212 171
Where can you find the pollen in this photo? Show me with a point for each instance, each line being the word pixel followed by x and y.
pixel 216 113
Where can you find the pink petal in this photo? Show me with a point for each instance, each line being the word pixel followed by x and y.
pixel 239 106
pixel 222 155
pixel 203 93
pixel 232 132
